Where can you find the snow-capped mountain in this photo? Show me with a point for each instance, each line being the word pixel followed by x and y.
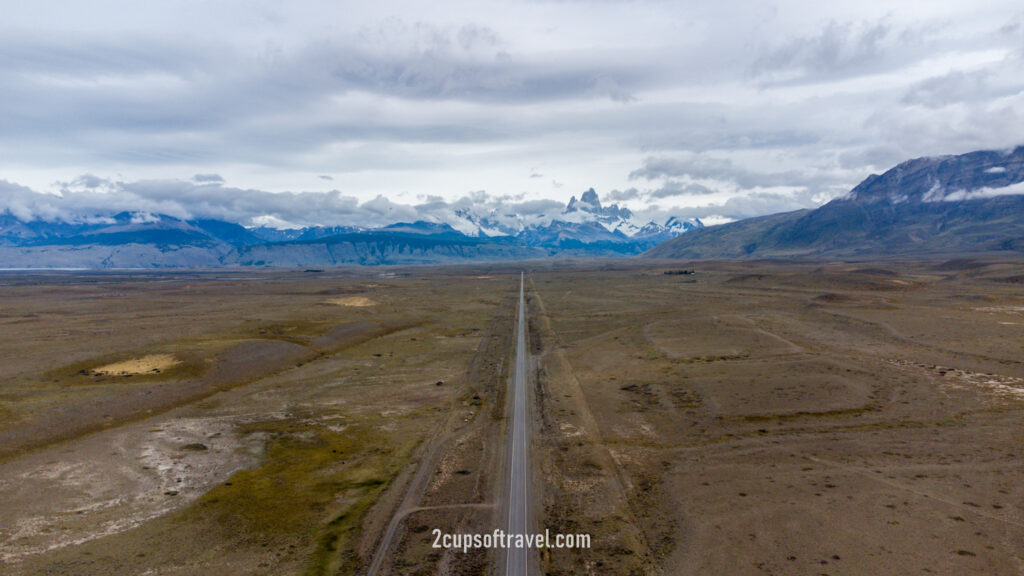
pixel 583 222
pixel 142 239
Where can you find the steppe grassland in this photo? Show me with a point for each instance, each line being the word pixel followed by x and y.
pixel 785 417
pixel 317 407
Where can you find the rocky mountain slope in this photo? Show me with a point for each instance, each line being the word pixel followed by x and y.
pixel 972 203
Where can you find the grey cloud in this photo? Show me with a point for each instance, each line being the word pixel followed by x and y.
pixel 90 197
pixel 504 210
pixel 1013 26
pixel 431 204
pixel 534 207
pixel 707 167
pixel 872 157
pixel 473 37
pixel 714 95
pixel 385 210
pixel 208 178
pixel 688 176
pixel 932 131
pixel 432 76
pixel 694 166
pixel 183 199
pixel 837 47
pixel 622 195
pixel 971 88
pixel 88 181
pixel 954 87
pixel 739 207
pixel 761 203
pixel 672 188
pixel 24 203
pixel 79 55
pixel 606 85
pixel 153 101
pixel 424 61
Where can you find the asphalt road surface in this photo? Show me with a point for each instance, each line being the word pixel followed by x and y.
pixel 517 559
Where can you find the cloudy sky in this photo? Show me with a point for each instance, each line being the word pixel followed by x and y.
pixel 254 110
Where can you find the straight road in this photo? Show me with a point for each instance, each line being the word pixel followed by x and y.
pixel 517 560
pixel 517 455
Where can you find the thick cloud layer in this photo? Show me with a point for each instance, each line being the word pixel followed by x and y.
pixel 90 198
pixel 714 109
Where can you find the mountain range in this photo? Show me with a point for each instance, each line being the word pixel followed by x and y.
pixel 932 206
pixel 967 204
pixel 143 240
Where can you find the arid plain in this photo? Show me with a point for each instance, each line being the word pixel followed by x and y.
pixel 745 418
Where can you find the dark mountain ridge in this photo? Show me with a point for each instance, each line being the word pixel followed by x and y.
pixel 971 203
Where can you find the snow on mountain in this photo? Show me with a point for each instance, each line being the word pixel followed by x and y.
pixel 583 220
pixel 584 227
pixel 980 174
pixel 933 207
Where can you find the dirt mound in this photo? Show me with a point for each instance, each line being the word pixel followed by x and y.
pixel 357 301
pixel 875 271
pixel 151 363
pixel 349 335
pixel 1018 279
pixel 959 264
pixel 743 278
pixel 832 297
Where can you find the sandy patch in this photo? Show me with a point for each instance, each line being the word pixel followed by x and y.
pixel 1002 309
pixel 1007 387
pixel 358 301
pixel 143 365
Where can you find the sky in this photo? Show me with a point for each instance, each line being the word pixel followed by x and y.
pixel 340 113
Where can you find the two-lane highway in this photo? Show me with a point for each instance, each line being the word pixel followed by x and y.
pixel 517 560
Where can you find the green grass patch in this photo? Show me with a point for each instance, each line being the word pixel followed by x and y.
pixel 314 487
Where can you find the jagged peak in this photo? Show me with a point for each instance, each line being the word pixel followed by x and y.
pixel 590 197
